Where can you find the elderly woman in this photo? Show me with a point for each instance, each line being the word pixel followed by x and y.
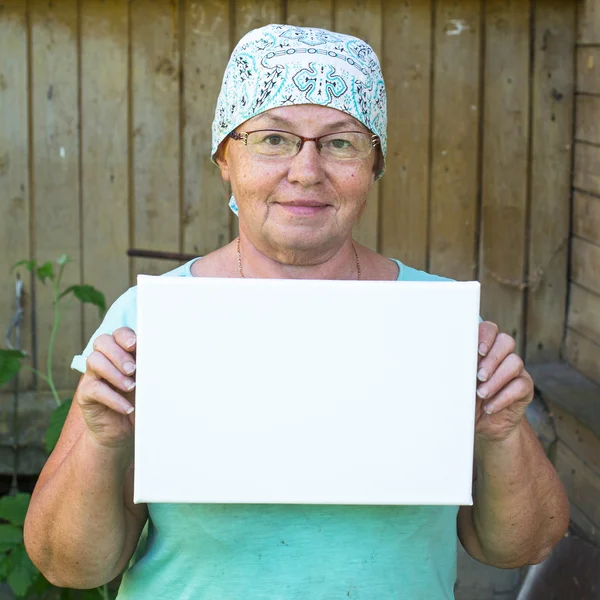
pixel 300 134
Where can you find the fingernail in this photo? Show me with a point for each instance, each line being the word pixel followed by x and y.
pixel 489 409
pixel 130 410
pixel 482 392
pixel 130 342
pixel 482 349
pixel 129 384
pixel 129 367
pixel 482 375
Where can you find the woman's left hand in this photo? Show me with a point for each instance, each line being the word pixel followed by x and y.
pixel 504 387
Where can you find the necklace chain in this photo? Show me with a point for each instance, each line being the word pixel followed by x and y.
pixel 239 260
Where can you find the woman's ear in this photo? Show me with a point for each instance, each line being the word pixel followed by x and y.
pixel 222 159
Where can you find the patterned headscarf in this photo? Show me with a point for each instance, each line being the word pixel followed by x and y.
pixel 282 65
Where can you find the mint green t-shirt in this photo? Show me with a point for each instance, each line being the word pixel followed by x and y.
pixel 283 551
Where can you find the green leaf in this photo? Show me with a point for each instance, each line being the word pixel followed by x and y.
pixel 40 587
pixel 63 259
pixel 46 271
pixel 10 363
pixel 11 537
pixel 57 420
pixel 88 294
pixel 30 265
pixel 23 572
pixel 14 508
pixel 4 566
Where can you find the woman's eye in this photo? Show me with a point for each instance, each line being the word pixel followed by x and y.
pixel 340 144
pixel 273 140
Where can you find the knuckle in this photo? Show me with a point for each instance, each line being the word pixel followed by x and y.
pixel 100 341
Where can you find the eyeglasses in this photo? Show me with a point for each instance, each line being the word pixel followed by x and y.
pixel 343 145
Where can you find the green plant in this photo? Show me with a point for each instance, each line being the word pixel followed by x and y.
pixel 15 566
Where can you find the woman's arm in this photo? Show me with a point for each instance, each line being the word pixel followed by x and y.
pixel 82 526
pixel 520 509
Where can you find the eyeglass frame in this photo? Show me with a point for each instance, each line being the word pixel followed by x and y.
pixel 242 136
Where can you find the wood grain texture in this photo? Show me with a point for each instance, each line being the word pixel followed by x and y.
pixel 586 170
pixel 206 214
pixel 363 19
pixel 550 186
pixel 14 170
pixel 588 69
pixel 310 13
pixel 585 264
pixel 156 130
pixel 407 31
pixel 56 172
pixel 587 119
pixel 104 150
pixel 583 354
pixel 586 217
pixel 588 22
pixel 505 158
pixel 455 143
pixel 584 313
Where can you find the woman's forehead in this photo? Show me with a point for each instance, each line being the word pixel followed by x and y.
pixel 306 114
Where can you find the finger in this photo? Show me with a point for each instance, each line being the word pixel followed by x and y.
pixel 98 391
pixel 503 346
pixel 102 368
pixel 487 335
pixel 518 390
pixel 126 338
pixel 510 368
pixel 107 345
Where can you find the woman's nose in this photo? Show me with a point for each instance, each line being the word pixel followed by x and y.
pixel 306 167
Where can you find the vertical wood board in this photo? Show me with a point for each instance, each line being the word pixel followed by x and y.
pixel 588 69
pixel 363 19
pixel 156 130
pixel 104 150
pixel 583 354
pixel 584 313
pixel 14 170
pixel 588 26
pixel 585 264
pixel 56 173
pixel 205 221
pixel 455 143
pixel 551 157
pixel 505 161
pixel 310 13
pixel 407 31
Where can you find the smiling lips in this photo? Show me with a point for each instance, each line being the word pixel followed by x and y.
pixel 304 208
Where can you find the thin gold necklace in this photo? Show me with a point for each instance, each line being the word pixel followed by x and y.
pixel 239 260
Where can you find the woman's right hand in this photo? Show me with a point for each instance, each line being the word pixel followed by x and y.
pixel 106 393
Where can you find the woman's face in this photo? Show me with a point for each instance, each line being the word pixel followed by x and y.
pixel 298 210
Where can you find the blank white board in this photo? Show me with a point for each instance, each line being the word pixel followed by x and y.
pixel 308 392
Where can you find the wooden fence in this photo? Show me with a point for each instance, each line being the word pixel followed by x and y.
pixel 583 336
pixel 105 114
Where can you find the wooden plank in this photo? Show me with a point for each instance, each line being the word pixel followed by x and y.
pixel 587 527
pixel 588 26
pixel 581 482
pixel 584 355
pixel 586 217
pixel 584 312
pixel 14 168
pixel 455 142
pixel 505 163
pixel 251 15
pixel 588 69
pixel 310 13
pixel 156 130
pixel 579 438
pixel 406 60
pixel 363 19
pixel 56 170
pixel 561 385
pixel 586 175
pixel 550 188
pixel 206 214
pixel 104 150
pixel 585 264
pixel 587 119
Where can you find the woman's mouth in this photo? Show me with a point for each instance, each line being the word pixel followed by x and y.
pixel 304 208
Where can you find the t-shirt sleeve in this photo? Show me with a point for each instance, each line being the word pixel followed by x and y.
pixel 123 313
